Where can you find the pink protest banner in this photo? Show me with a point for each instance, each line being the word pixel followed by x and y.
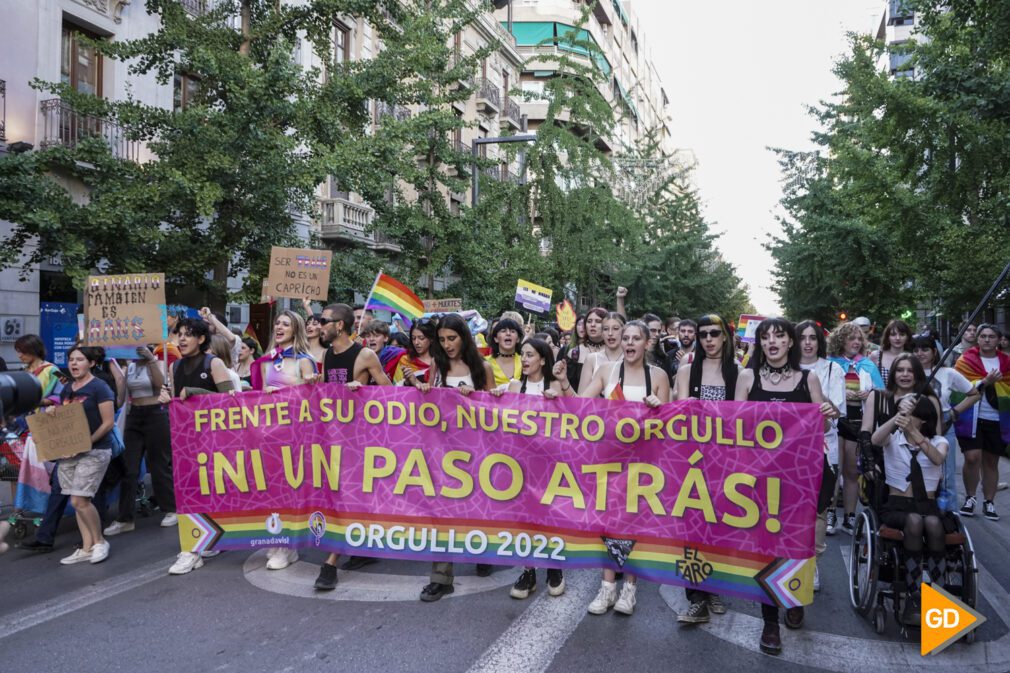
pixel 716 496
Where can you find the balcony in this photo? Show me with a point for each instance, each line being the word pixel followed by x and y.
pixel 397 112
pixel 512 117
pixel 488 97
pixel 66 128
pixel 346 222
pixel 194 7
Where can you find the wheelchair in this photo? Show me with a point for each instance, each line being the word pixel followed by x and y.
pixel 876 577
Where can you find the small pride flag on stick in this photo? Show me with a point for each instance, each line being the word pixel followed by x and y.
pixel 389 294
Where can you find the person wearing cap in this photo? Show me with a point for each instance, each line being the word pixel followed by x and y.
pixel 865 325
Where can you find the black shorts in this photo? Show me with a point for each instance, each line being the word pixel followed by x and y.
pixel 987 438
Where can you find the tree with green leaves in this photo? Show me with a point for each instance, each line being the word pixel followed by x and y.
pixel 912 179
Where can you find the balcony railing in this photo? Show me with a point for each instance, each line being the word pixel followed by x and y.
pixel 3 110
pixel 345 220
pixel 512 112
pixel 384 109
pixel 194 7
pixel 65 127
pixel 488 94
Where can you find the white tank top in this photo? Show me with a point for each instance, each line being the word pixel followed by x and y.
pixel 631 393
pixel 457 381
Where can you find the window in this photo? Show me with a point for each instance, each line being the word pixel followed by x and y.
pixel 341 43
pixel 184 91
pixel 80 64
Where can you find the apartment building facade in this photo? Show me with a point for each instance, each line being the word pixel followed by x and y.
pixel 43 41
pixel 546 29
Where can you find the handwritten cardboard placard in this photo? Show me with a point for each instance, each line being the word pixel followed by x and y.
pixel 60 433
pixel 443 305
pixel 532 297
pixel 124 312
pixel 299 273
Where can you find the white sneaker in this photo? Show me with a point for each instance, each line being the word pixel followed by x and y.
pixel 210 554
pixel 626 603
pixel 605 599
pixel 170 519
pixel 280 558
pixel 117 527
pixel 100 552
pixel 5 528
pixel 79 556
pixel 817 578
pixel 185 562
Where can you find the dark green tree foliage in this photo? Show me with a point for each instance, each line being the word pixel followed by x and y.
pixel 913 182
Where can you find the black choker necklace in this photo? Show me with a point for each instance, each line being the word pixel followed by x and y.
pixel 776 375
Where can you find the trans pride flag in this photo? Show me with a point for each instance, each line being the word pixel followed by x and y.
pixel 971 366
pixel 389 294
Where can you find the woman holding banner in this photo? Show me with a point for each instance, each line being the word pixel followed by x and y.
pixel 81 475
pixel 537 378
pixel 710 374
pixel 287 362
pixel 197 372
pixel 774 374
pixel 418 365
pixel 458 365
pixel 591 341
pixel 612 351
pixel 634 380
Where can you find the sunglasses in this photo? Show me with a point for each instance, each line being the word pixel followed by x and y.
pixel 323 321
pixel 709 333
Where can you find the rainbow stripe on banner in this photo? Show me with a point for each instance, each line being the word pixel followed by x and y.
pixel 725 571
pixel 389 294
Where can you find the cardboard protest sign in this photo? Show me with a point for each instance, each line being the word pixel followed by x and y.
pixel 443 305
pixel 60 433
pixel 299 273
pixel 532 297
pixel 124 312
pixel 747 326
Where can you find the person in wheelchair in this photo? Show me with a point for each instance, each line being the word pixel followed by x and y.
pixel 906 421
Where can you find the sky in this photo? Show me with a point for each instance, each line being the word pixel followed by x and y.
pixel 739 75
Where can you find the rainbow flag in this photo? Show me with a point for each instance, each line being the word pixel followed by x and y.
pixel 617 393
pixel 251 333
pixel 971 366
pixel 389 294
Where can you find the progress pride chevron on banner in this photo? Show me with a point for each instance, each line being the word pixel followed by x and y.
pixel 715 495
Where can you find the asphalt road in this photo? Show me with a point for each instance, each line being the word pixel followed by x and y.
pixel 128 614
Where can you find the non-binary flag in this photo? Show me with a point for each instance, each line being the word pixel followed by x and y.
pixel 389 294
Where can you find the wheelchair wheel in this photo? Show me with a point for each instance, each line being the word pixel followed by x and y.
pixel 969 592
pixel 879 619
pixel 863 563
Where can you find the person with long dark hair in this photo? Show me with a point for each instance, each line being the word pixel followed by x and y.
pixel 774 374
pixel 896 339
pixel 905 419
pixel 632 379
pixel 536 378
pixel 588 344
pixel 984 433
pixel 458 365
pixel 708 373
pixel 946 381
pixel 418 365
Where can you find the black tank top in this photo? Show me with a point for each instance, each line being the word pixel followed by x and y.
pixel 339 368
pixel 193 372
pixel 801 393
